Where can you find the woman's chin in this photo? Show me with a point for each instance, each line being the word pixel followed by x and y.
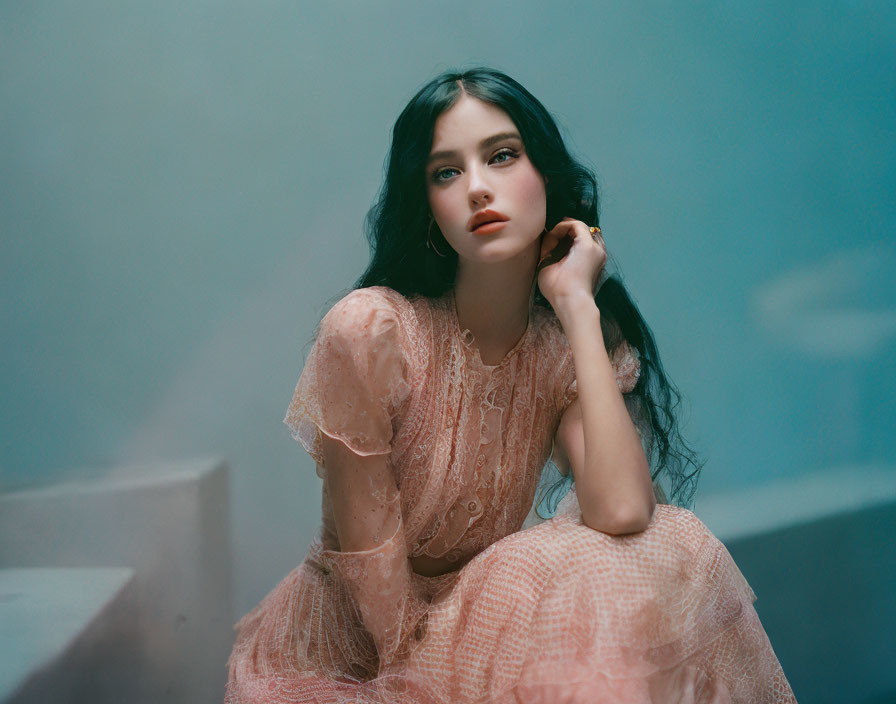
pixel 502 252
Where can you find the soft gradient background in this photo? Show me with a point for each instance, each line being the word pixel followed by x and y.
pixel 182 187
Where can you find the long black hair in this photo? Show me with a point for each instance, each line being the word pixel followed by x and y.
pixel 398 226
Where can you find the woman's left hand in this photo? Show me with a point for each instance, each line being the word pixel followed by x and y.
pixel 579 269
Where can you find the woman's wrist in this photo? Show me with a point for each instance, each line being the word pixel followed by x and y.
pixel 573 305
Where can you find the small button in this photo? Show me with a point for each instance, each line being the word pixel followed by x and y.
pixel 472 506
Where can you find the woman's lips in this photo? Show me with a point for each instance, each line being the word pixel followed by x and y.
pixel 485 216
pixel 489 227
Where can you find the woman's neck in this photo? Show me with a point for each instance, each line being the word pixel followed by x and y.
pixel 493 302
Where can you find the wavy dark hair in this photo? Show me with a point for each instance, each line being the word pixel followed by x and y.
pixel 397 230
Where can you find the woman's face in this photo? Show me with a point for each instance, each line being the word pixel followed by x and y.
pixel 478 162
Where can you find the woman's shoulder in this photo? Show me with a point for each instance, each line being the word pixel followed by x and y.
pixel 368 303
pixel 380 298
pixel 372 312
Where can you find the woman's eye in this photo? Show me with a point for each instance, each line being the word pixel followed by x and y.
pixel 437 176
pixel 440 174
pixel 505 152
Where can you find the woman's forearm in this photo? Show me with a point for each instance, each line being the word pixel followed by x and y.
pixel 372 561
pixel 614 486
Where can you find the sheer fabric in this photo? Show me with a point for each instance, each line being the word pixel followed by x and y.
pixel 355 378
pixel 557 612
pixel 625 362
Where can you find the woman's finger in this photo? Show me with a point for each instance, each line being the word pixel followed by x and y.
pixel 548 241
pixel 570 227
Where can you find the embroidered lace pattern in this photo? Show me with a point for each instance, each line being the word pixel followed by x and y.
pixel 536 613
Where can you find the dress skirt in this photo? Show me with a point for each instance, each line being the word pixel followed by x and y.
pixel 555 614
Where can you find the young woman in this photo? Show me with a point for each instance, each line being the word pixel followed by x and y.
pixel 482 342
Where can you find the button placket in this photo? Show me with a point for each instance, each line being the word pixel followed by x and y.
pixel 473 505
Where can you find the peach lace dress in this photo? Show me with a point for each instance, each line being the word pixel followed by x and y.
pixel 554 613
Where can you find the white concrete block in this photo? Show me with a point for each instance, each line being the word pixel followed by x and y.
pixel 170 523
pixel 57 640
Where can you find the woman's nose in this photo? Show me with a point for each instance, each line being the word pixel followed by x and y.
pixel 479 188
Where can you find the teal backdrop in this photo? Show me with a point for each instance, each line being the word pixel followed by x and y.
pixel 183 187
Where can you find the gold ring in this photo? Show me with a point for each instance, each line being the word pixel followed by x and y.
pixel 594 231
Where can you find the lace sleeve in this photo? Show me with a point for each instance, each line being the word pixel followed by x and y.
pixel 625 363
pixel 354 382
pixel 387 597
pixel 355 377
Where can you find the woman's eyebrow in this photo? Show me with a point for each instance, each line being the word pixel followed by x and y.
pixel 484 143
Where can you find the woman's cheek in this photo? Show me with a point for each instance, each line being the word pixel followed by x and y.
pixel 533 194
pixel 440 207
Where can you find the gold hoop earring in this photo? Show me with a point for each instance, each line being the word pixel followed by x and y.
pixel 429 239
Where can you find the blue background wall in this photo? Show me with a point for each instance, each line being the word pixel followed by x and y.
pixel 182 187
